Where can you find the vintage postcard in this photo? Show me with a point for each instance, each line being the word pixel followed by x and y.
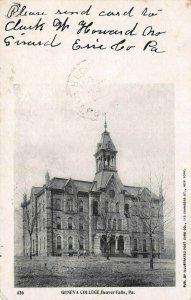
pixel 95 149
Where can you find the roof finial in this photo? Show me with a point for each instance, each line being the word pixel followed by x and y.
pixel 105 125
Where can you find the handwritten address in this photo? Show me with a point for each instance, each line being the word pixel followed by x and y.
pixel 88 34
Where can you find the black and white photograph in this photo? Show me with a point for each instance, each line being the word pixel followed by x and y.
pixel 96 203
pixel 95 149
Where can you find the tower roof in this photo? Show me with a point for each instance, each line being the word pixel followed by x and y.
pixel 106 142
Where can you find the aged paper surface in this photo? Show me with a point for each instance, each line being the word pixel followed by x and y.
pixel 64 65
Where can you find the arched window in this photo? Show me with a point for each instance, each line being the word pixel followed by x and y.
pixel 95 208
pixel 58 204
pixel 58 242
pixel 119 224
pixel 58 222
pixel 70 243
pixel 70 223
pixel 106 206
pixel 135 244
pixel 114 224
pixel 81 206
pixel 117 207
pixel 126 209
pixel 144 245
pixel 70 204
pixel 152 211
pixel 81 224
pixel 81 243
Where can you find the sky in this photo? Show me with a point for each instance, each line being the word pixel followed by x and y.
pixel 57 128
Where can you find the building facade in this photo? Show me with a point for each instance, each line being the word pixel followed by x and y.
pixel 68 216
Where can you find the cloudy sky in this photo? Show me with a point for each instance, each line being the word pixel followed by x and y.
pixel 57 129
pixel 57 132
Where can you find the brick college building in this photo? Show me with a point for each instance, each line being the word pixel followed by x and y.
pixel 66 216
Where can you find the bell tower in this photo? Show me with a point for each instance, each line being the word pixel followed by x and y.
pixel 106 152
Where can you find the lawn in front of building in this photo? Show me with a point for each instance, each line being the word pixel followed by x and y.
pixel 92 272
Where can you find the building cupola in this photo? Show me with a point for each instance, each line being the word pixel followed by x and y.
pixel 106 152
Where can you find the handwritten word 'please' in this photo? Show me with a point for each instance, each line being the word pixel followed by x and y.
pixel 16 10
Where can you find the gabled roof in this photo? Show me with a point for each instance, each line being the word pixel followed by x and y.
pixel 57 183
pixel 136 191
pixel 82 186
pixel 133 190
pixel 35 190
pixel 60 183
pixel 102 179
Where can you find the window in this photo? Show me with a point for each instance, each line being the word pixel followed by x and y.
pixel 43 205
pixel 144 227
pixel 95 208
pixel 69 189
pixel 117 207
pixel 81 243
pixel 135 226
pixel 134 210
pixel 70 205
pixel 154 245
pixel 106 206
pixel 59 243
pixel 114 224
pixel 40 244
pixel 144 245
pixel 58 204
pixel 44 243
pixel 32 210
pixel 144 212
pixel 95 224
pixel 104 223
pixel 81 224
pixel 126 209
pixel 39 224
pixel 70 243
pixel 112 193
pixel 119 224
pixel 39 209
pixel 81 206
pixel 69 223
pixel 33 246
pixel 43 223
pixel 152 211
pixel 109 224
pixel 58 222
pixel 135 244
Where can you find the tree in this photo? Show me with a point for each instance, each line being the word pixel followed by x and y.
pixel 106 218
pixel 30 217
pixel 152 216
